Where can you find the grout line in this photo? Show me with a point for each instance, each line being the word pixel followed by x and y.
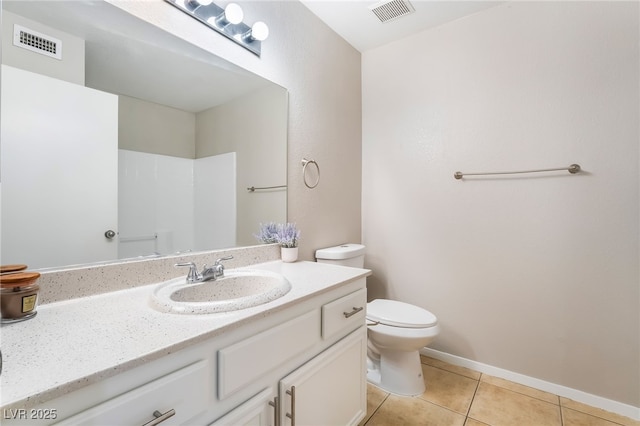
pixel 591 415
pixel 443 407
pixel 593 401
pixel 479 380
pixel 501 387
pixel 559 404
pixel 475 391
pixel 377 408
pixel 453 372
pixel 466 415
pixel 522 393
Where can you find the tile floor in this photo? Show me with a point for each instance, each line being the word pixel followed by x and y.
pixel 458 396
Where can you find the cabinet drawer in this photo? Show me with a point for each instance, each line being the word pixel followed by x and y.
pixel 185 391
pixel 346 313
pixel 242 363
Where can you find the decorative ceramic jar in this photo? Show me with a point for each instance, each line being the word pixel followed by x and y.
pixel 289 254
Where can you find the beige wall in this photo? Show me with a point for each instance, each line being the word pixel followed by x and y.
pixel 158 129
pixel 253 126
pixel 70 68
pixel 322 73
pixel 539 274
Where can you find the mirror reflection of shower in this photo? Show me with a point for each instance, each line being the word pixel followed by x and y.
pixel 188 207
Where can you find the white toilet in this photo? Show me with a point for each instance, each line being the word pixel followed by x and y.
pixel 396 331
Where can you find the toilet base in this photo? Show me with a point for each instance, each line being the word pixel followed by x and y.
pixel 396 372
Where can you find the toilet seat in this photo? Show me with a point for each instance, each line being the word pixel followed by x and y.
pixel 399 314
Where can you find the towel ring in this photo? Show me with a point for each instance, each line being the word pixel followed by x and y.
pixel 305 163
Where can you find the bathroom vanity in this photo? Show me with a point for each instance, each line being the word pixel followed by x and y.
pixel 113 359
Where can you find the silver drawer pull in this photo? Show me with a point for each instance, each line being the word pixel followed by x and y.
pixel 352 313
pixel 159 417
pixel 292 416
pixel 276 410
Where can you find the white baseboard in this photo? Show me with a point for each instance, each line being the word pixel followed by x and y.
pixel 574 394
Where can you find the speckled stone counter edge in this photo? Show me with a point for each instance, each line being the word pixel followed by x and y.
pixel 82 281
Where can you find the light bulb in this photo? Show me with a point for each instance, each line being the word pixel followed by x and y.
pixel 259 31
pixel 233 13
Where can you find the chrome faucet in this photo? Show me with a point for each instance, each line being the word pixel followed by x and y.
pixel 207 274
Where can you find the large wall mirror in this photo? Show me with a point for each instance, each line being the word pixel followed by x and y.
pixel 111 124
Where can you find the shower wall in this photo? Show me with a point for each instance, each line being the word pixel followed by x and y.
pixel 171 204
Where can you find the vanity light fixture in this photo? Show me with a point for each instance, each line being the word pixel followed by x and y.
pixel 227 21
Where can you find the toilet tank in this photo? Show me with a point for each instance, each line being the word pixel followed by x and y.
pixel 343 255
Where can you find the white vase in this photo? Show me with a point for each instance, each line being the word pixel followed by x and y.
pixel 289 254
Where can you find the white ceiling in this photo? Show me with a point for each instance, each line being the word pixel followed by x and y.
pixel 358 25
pixel 130 57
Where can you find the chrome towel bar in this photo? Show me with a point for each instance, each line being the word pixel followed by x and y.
pixel 261 188
pixel 573 169
pixel 139 238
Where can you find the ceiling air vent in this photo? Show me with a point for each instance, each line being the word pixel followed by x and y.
pixel 390 10
pixel 37 42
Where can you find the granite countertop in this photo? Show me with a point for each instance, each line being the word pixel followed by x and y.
pixel 74 343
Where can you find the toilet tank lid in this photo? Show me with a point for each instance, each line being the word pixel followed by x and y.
pixel 399 314
pixel 343 251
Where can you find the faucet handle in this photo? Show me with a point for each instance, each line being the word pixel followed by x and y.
pixel 223 258
pixel 193 275
pixel 219 267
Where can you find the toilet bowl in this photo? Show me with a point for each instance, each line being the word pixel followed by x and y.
pixel 396 332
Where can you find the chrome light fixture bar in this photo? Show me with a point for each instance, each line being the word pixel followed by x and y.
pixel 227 21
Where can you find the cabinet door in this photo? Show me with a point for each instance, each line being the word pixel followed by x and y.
pixel 331 388
pixel 257 411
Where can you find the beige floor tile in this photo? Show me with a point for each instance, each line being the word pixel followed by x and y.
pixel 597 412
pixel 463 371
pixel 472 422
pixel 375 397
pixel 407 411
pixel 497 406
pixel 576 418
pixel 525 390
pixel 447 389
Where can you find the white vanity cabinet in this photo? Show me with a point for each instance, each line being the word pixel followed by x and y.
pixel 327 388
pixel 301 364
pixel 330 389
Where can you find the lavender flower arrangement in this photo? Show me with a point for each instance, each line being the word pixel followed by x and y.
pixel 285 234
pixel 268 233
pixel 288 235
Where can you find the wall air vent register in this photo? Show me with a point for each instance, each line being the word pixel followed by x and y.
pixel 37 42
pixel 387 10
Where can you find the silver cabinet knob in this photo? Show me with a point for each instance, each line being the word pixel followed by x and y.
pixel 110 234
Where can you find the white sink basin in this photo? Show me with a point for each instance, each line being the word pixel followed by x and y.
pixel 238 289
